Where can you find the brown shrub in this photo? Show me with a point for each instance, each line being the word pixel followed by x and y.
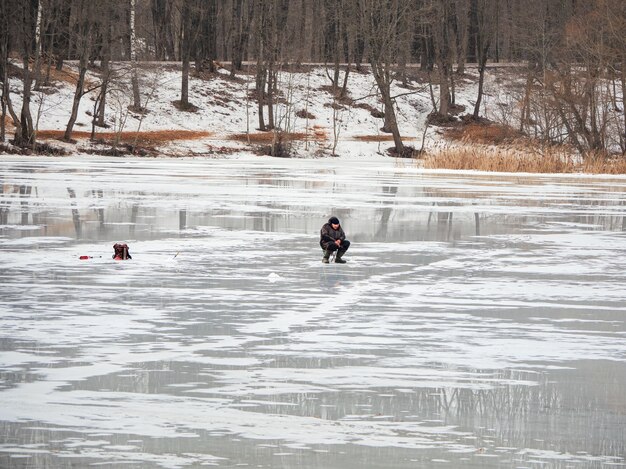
pixel 145 138
pixel 268 137
pixel 552 160
pixel 376 113
pixel 488 134
pixel 185 107
pixel 379 138
pixel 37 149
pixel 302 114
pixel 485 133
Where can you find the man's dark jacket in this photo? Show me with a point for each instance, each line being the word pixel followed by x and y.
pixel 328 235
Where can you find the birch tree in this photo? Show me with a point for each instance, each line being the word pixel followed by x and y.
pixel 133 60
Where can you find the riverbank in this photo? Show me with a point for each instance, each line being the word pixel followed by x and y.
pixel 310 121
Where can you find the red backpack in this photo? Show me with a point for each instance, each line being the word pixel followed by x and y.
pixel 121 252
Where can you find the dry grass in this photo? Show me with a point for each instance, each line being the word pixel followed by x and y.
pixel 143 138
pixel 603 164
pixel 554 159
pixel 494 147
pixel 501 160
pixel 484 133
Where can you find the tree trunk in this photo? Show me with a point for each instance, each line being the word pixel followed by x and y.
pixel 83 32
pixel 78 94
pixel 484 45
pixel 444 90
pixel 26 120
pixel 463 36
pixel 443 53
pixel 623 82
pixel 479 98
pixel 271 85
pixel 133 59
pixel 4 112
pixel 37 64
pixel 185 53
pixel 4 62
pixel 525 115
pixel 62 35
pixel 101 112
pixel 184 88
pixel 211 35
pixel 162 21
pixel 237 36
pixel 302 21
pixel 383 80
pixel 261 78
pixel 106 72
pixel 344 87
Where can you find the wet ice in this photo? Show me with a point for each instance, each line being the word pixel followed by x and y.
pixel 479 321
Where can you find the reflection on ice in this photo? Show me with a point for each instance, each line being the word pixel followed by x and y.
pixel 479 321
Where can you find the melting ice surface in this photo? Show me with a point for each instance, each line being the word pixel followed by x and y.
pixel 479 322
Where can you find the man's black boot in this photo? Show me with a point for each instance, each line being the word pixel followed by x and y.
pixel 338 259
pixel 326 256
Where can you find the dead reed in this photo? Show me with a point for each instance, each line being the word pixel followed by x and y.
pixel 500 160
pixel 599 163
pixel 553 159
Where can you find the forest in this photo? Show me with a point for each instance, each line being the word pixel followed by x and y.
pixel 571 53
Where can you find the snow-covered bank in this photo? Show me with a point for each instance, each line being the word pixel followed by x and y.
pixel 227 107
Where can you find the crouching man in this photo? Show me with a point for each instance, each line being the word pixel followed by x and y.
pixel 332 238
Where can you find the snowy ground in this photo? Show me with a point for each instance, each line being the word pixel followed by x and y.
pixel 226 107
pixel 480 321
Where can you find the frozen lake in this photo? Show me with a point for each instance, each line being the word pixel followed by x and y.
pixel 480 320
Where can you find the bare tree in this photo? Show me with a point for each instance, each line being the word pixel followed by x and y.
pixel 133 58
pixel 162 12
pixel 462 13
pixel 241 18
pixel 85 14
pixel 270 16
pixel 205 50
pixel 25 14
pixel 483 13
pixel 441 14
pixel 4 64
pixel 380 19
pixel 187 42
